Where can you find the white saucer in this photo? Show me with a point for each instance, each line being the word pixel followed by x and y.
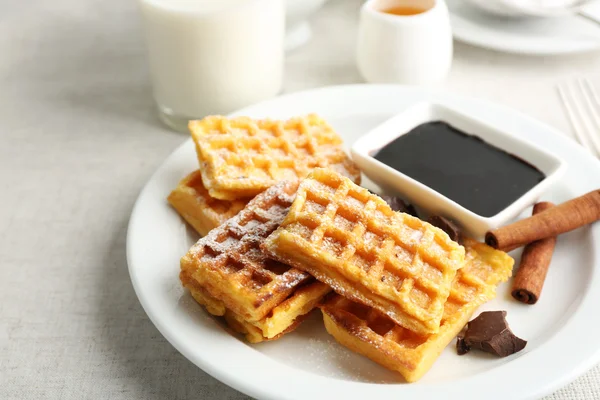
pixel 534 36
pixel 562 328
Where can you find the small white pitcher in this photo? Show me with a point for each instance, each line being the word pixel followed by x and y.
pixel 406 49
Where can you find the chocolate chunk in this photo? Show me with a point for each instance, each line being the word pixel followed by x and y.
pixel 490 332
pixel 447 226
pixel 461 346
pixel 410 209
pixel 397 204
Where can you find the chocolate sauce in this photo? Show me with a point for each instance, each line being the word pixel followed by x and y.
pixel 460 166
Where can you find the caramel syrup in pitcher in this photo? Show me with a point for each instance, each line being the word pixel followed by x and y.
pixel 405 10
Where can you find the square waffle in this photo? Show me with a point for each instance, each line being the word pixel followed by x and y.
pixel 283 319
pixel 241 157
pixel 229 265
pixel 372 334
pixel 192 201
pixel 351 240
pixel 217 308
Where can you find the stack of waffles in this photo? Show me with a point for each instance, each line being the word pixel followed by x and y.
pixel 390 286
pixel 240 157
pixel 248 176
pixel 403 289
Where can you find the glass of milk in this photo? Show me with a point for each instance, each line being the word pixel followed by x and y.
pixel 212 56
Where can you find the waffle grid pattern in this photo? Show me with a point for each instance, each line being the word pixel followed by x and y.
pixel 204 213
pixel 229 264
pixel 352 240
pixel 241 157
pixel 284 318
pixel 374 335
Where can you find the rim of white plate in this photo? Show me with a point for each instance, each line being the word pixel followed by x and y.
pixel 544 369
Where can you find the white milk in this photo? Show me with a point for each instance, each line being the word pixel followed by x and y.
pixel 213 56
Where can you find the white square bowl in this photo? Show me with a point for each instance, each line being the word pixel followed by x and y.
pixel 433 202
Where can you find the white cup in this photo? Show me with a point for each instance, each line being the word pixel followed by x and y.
pixel 407 49
pixel 212 56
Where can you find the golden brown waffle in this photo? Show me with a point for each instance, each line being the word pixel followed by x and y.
pixel 282 319
pixel 372 334
pixel 240 247
pixel 217 308
pixel 351 240
pixel 293 309
pixel 230 267
pixel 212 305
pixel 229 264
pixel 241 157
pixel 254 334
pixel 192 201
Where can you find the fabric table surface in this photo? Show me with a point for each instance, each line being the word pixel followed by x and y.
pixel 79 138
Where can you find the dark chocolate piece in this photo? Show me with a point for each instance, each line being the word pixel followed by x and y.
pixel 397 204
pixel 447 226
pixel 490 332
pixel 410 209
pixel 460 166
pixel 461 346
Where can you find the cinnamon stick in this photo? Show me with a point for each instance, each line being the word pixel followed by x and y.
pixel 529 281
pixel 563 218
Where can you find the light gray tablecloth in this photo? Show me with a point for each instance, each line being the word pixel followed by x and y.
pixel 79 138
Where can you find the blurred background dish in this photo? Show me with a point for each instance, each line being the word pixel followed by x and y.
pixel 569 34
pixel 497 7
pixel 529 8
pixel 298 29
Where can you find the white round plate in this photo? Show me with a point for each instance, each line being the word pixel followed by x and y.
pixel 534 36
pixel 563 329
